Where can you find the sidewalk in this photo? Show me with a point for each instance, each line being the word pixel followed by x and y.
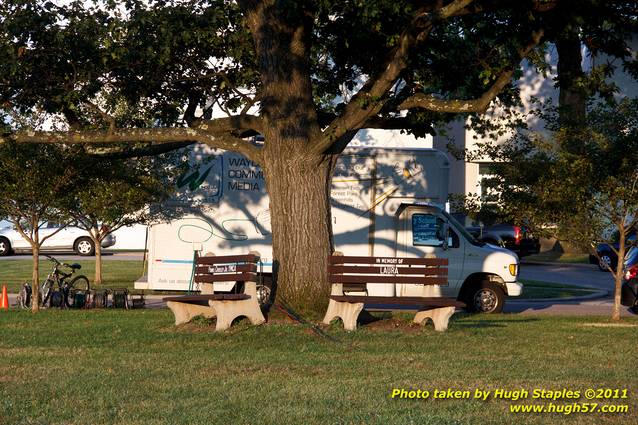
pixel 566 307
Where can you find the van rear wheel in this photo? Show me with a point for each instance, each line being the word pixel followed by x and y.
pixel 486 297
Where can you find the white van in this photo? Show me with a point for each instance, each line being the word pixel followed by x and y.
pixel 385 202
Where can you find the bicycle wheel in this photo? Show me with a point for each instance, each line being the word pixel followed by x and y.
pixel 79 283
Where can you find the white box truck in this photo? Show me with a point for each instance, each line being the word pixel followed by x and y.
pixel 385 202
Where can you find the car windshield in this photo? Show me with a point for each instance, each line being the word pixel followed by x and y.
pixel 467 235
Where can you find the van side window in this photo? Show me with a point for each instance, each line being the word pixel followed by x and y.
pixel 427 230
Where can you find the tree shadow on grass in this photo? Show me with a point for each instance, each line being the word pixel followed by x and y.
pixel 467 320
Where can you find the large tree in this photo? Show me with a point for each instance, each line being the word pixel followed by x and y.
pixel 151 72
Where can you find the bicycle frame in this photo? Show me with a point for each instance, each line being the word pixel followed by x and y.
pixel 59 277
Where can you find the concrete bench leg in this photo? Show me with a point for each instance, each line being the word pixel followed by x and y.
pixel 227 311
pixel 347 312
pixel 185 312
pixel 440 317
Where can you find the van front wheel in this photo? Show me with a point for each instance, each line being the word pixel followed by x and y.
pixel 486 297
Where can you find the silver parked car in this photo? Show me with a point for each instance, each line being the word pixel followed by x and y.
pixel 68 239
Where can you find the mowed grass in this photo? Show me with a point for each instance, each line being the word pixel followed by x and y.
pixel 115 273
pixel 533 289
pixel 136 367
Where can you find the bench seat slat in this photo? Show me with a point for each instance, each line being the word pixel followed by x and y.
pixel 203 299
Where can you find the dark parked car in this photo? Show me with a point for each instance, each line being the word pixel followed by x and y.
pixel 514 238
pixel 629 291
pixel 607 258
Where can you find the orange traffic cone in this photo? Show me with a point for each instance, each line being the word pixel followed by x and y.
pixel 4 302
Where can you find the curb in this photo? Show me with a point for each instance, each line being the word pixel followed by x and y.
pixel 556 263
pixel 595 295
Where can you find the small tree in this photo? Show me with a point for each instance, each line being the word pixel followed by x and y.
pixel 35 186
pixel 576 186
pixel 115 193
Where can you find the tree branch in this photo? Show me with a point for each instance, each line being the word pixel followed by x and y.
pixel 537 6
pixel 191 107
pixel 62 227
pixel 139 152
pixel 371 97
pixel 395 123
pixel 106 117
pixel 480 105
pixel 222 133
pixel 23 233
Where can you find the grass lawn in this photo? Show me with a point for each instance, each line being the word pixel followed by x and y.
pixel 135 367
pixel 533 289
pixel 115 273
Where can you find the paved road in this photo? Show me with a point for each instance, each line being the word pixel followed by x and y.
pixel 106 256
pixel 582 275
pixel 575 274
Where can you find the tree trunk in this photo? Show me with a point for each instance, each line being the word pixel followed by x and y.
pixel 35 279
pixel 301 228
pixel 615 315
pixel 98 261
pixel 298 181
pixel 572 98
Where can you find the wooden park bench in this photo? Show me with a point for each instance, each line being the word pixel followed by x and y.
pixel 224 306
pixel 351 274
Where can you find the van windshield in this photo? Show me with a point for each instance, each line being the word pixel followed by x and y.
pixel 458 227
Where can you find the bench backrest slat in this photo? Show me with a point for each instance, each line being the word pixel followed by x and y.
pixel 343 259
pixel 383 269
pixel 419 280
pixel 388 270
pixel 221 259
pixel 233 277
pixel 226 268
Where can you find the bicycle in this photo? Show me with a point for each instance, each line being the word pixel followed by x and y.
pixel 65 288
